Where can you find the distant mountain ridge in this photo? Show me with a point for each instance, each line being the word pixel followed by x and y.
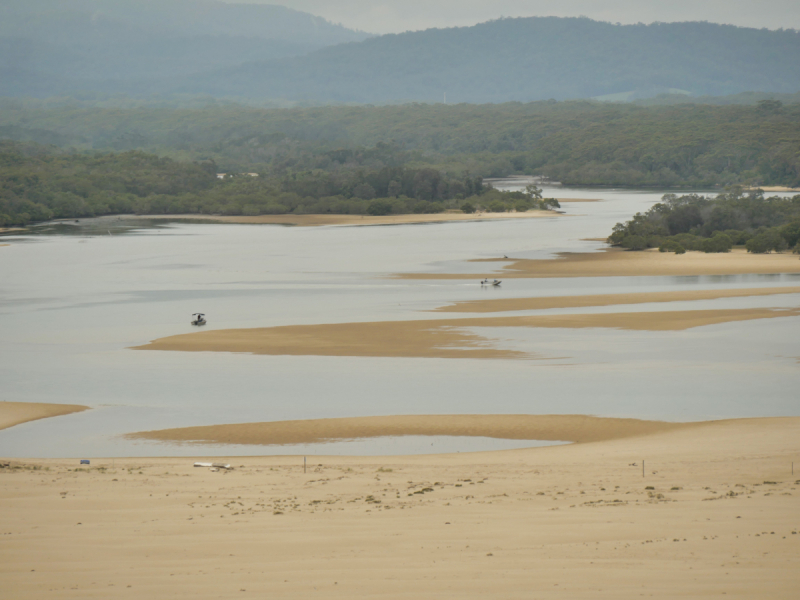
pixel 53 47
pixel 141 48
pixel 526 59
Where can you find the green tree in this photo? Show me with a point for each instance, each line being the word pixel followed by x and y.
pixel 767 241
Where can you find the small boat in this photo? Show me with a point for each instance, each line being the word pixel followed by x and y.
pixel 199 319
pixel 495 283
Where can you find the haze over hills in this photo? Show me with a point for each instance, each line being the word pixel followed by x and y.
pixel 264 53
pixel 524 60
pixel 53 47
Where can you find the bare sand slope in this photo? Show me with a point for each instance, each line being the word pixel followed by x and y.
pixel 622 263
pixel 564 522
pixel 319 220
pixel 572 428
pixel 541 303
pixel 14 413
pixel 443 338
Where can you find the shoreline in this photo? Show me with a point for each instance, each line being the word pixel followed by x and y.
pixel 16 413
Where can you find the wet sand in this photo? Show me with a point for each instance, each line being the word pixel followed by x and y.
pixel 714 515
pixel 14 413
pixel 320 220
pixel 443 338
pixel 615 262
pixel 565 428
pixel 541 303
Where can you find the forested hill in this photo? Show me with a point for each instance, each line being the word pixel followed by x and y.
pixel 575 142
pixel 52 47
pixel 525 59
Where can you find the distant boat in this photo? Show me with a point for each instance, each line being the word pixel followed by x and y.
pixel 199 319
pixel 495 283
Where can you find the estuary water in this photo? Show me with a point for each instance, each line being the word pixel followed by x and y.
pixel 74 298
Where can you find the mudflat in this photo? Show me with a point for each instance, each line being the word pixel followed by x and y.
pixel 14 413
pixel 714 513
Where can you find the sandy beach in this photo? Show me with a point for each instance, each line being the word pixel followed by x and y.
pixel 363 220
pixel 715 514
pixel 615 262
pixel 443 338
pixel 14 413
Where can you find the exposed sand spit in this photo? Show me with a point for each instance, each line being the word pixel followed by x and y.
pixel 548 302
pixel 622 263
pixel 14 413
pixel 435 338
pixel 318 220
pixel 572 428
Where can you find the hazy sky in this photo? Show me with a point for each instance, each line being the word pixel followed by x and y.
pixel 394 16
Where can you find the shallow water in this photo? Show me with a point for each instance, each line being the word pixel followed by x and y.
pixel 75 297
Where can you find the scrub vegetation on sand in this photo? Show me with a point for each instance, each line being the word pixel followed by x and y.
pixel 733 218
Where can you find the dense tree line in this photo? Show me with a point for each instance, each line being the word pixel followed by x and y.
pixel 39 183
pixel 734 218
pixel 573 142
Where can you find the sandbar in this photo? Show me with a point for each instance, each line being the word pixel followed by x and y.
pixel 571 428
pixel 548 302
pixel 14 413
pixel 614 262
pixel 443 338
pixel 712 514
pixel 361 220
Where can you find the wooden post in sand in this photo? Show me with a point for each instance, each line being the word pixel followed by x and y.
pixel 642 468
pixel 304 464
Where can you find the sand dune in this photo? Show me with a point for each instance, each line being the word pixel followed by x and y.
pixel 14 413
pixel 615 262
pixel 541 303
pixel 441 338
pixel 714 516
pixel 572 428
